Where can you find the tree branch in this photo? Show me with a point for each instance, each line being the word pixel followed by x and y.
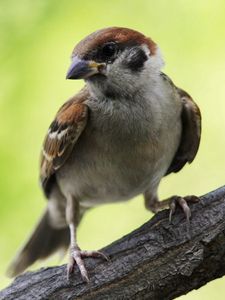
pixel 156 261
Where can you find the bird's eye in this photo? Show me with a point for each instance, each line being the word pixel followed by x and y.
pixel 109 50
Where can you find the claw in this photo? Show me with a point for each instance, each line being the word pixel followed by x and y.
pixel 70 267
pixel 76 256
pixel 84 275
pixel 172 210
pixel 95 254
pixel 183 203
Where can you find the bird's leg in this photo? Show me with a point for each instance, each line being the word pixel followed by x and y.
pixel 153 204
pixel 76 255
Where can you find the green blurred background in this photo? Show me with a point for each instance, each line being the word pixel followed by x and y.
pixel 36 40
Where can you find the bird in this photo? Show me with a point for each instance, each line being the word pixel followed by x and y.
pixel 126 129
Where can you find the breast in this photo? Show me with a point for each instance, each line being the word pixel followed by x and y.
pixel 117 159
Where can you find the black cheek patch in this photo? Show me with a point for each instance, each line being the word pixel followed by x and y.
pixel 136 59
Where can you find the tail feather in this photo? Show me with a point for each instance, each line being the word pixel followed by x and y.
pixel 44 241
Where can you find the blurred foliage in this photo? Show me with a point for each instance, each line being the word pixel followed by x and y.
pixel 37 38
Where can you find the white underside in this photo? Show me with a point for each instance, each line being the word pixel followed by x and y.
pixel 129 150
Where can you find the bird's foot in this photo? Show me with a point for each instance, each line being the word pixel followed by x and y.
pixel 76 257
pixel 183 203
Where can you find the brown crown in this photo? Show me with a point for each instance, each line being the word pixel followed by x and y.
pixel 117 34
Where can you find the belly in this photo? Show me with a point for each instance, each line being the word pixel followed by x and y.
pixel 101 173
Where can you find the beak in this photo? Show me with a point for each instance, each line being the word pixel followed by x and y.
pixel 82 69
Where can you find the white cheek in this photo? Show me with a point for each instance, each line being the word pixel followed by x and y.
pixel 107 69
pixel 146 50
pixel 155 62
pixel 157 59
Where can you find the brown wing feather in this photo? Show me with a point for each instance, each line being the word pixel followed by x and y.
pixel 62 135
pixel 191 133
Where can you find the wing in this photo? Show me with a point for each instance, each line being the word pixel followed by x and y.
pixel 62 135
pixel 191 133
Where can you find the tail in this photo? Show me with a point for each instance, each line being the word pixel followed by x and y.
pixel 44 241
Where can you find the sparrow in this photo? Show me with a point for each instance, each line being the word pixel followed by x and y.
pixel 126 129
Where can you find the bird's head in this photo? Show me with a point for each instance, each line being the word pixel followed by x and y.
pixel 115 61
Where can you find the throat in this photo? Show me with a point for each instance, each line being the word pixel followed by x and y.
pixel 114 89
pixel 125 119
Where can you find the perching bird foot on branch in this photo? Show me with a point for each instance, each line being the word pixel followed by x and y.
pixel 156 261
pixel 115 139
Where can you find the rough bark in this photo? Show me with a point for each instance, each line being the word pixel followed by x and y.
pixel 157 261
